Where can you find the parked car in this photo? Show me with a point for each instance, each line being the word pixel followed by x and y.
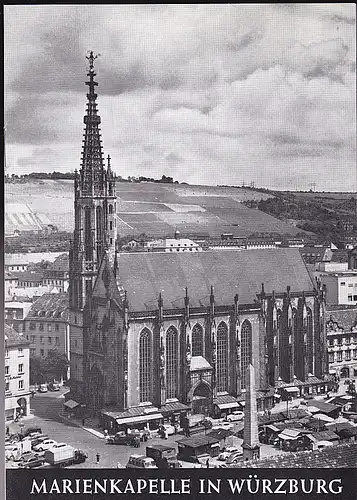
pixel 223 456
pixel 31 462
pixel 54 386
pixel 39 439
pixel 43 388
pixel 119 438
pixel 224 425
pixel 45 445
pixel 235 457
pixel 170 429
pixel 236 416
pixel 140 462
pixel 60 445
pixel 27 455
pixel 31 430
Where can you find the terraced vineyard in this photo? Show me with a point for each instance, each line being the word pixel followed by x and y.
pixel 158 209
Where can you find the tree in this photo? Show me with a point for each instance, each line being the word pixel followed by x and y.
pixel 56 365
pixel 37 370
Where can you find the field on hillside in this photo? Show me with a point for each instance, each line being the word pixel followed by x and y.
pixel 157 209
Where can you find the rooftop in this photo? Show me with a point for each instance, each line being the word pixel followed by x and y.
pixel 50 305
pixel 13 259
pixel 332 457
pixel 344 316
pixel 12 337
pixel 146 275
pixel 197 441
pixel 28 275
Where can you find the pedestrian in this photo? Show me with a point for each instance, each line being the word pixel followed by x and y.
pixel 97 457
pixel 119 466
pixel 207 463
pixel 7 431
pixel 83 422
pixel 166 434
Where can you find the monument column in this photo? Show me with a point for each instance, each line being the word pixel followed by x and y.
pixel 251 446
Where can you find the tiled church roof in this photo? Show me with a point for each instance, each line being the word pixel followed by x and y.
pixel 145 275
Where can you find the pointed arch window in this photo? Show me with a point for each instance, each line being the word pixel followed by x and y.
pixel 246 350
pixel 88 234
pixel 222 357
pixel 110 209
pixel 145 365
pixel 171 362
pixel 309 339
pixel 197 340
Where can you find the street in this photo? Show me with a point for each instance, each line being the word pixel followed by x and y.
pixel 46 410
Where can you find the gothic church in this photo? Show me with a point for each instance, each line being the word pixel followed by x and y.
pixel 166 332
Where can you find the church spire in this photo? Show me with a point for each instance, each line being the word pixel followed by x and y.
pixel 94 203
pixel 92 167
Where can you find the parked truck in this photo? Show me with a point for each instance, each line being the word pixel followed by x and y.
pixel 164 456
pixel 64 456
pixel 15 450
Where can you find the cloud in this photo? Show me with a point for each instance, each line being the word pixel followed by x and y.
pixel 201 93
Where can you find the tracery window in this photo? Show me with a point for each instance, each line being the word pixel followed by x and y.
pixel 171 362
pixel 222 357
pixel 309 338
pixel 246 351
pixel 88 234
pixel 197 340
pixel 145 365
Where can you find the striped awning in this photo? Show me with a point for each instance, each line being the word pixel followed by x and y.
pixel 226 406
pixel 139 419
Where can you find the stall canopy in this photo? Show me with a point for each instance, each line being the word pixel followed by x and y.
pixel 139 419
pixel 226 406
pixel 291 389
pixel 71 404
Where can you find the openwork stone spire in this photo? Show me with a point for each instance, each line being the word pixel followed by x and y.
pixel 92 173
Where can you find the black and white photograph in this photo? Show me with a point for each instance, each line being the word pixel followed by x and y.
pixel 180 241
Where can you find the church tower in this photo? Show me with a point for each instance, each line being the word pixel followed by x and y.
pixel 94 204
pixel 94 232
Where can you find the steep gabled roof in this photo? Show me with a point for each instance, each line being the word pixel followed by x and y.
pixel 49 306
pixel 106 283
pixel 12 337
pixel 146 275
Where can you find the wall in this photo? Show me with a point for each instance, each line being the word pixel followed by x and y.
pixel 40 342
pixel 12 359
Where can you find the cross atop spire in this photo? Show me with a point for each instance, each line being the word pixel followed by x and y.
pixel 91 58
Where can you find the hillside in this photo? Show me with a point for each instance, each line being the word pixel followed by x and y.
pixel 158 209
pixel 332 216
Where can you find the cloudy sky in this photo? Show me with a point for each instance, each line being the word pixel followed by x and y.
pixel 209 94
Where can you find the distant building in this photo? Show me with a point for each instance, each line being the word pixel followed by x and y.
pixel 29 279
pixel 173 245
pixel 294 242
pixel 10 281
pixel 255 243
pixel 58 273
pixel 46 325
pixel 341 331
pixel 21 261
pixel 341 288
pixel 17 374
pixel 15 312
pixel 316 255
